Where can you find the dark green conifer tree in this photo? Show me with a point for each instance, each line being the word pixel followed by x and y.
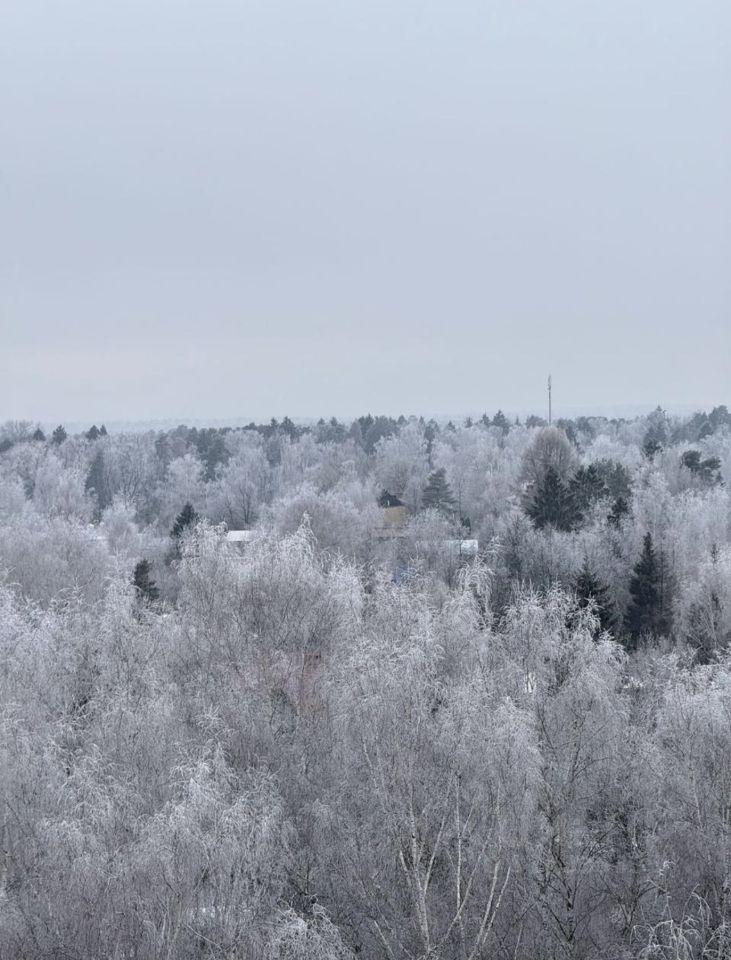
pixel 501 421
pixel 186 518
pixel 587 487
pixel 59 435
pixel 615 476
pixel 289 428
pixel 708 470
pixel 551 503
pixel 589 588
pixel 645 614
pixel 437 493
pixel 143 582
pixel 97 484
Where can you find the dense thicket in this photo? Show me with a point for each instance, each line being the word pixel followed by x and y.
pixel 345 735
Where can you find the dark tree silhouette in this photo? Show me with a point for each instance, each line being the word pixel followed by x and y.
pixel 143 582
pixel 501 421
pixel 708 470
pixel 646 614
pixel 96 483
pixel 186 518
pixel 437 493
pixel 552 504
pixel 586 488
pixel 589 588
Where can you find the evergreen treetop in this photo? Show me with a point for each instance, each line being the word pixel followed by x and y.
pixel 186 518
pixel 437 493
pixel 590 589
pixel 143 582
pixel 644 611
pixel 551 503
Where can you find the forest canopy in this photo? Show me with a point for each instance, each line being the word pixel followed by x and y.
pixel 389 688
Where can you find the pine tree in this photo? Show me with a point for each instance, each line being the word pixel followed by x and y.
pixel 615 476
pixel 186 518
pixel 93 433
pixel 39 436
pixel 289 428
pixel 645 613
pixel 552 504
pixel 707 470
pixel 59 435
pixel 97 484
pixel 437 493
pixel 587 487
pixel 589 588
pixel 501 421
pixel 143 582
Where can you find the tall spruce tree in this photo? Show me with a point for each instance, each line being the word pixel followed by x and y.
pixel 589 588
pixel 615 476
pixel 551 504
pixel 97 484
pixel 144 584
pixel 587 487
pixel 186 518
pixel 437 493
pixel 59 435
pixel 501 421
pixel 645 611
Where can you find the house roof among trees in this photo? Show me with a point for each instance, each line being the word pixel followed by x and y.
pixel 388 500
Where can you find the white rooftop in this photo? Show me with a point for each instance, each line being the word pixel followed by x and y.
pixel 240 536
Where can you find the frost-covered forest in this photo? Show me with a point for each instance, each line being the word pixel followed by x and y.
pixel 461 691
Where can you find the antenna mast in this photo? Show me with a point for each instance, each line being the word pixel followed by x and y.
pixel 549 400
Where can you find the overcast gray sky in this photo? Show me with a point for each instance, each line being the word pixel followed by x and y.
pixel 329 206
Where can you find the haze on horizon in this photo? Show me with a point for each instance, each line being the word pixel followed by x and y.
pixel 268 207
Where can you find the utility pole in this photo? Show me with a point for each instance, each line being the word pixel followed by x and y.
pixel 549 400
